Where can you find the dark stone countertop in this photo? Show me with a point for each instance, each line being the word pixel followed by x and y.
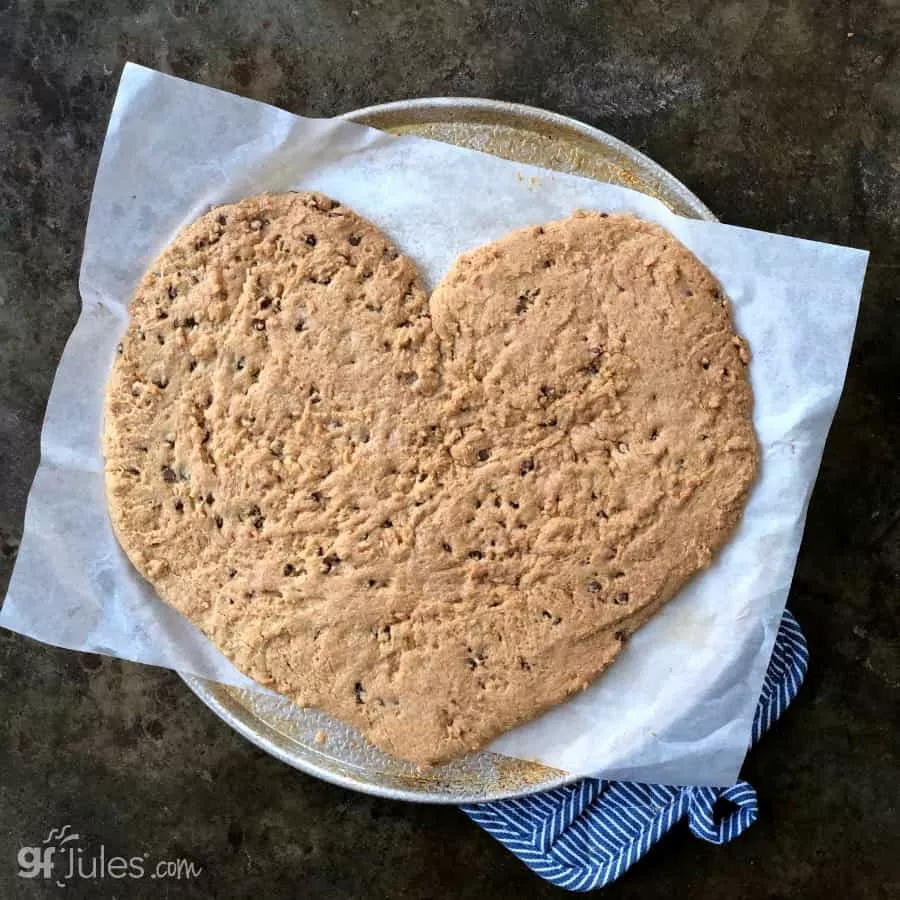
pixel 781 116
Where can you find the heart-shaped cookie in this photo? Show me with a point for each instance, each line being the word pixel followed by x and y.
pixel 431 519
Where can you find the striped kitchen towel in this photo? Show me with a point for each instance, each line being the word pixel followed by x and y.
pixel 585 835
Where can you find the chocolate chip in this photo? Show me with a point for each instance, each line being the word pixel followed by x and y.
pixel 360 692
pixel 593 587
pixel 179 506
pixel 311 240
pixel 218 521
pixel 190 322
pixel 525 300
pixel 476 554
pixel 169 475
pixel 259 324
pixel 210 499
pixel 173 292
pixel 289 569
pixel 265 303
pixel 330 562
pixel 483 455
pixel 222 220
pixel 621 598
pixel 354 240
pixel 162 314
pixel 526 466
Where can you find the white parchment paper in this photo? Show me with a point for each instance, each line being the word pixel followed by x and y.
pixel 677 706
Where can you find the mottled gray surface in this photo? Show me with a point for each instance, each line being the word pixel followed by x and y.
pixel 779 115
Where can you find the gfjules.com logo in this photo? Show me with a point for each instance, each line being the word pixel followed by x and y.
pixel 61 858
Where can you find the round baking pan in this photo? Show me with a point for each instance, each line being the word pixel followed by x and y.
pixel 308 739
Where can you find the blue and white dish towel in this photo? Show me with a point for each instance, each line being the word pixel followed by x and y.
pixel 587 834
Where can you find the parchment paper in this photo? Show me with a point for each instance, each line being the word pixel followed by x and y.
pixel 677 706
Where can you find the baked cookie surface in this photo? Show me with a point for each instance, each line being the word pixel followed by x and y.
pixel 432 519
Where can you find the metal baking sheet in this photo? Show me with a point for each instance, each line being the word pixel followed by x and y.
pixel 310 740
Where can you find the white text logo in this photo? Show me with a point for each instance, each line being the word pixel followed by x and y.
pixel 60 857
